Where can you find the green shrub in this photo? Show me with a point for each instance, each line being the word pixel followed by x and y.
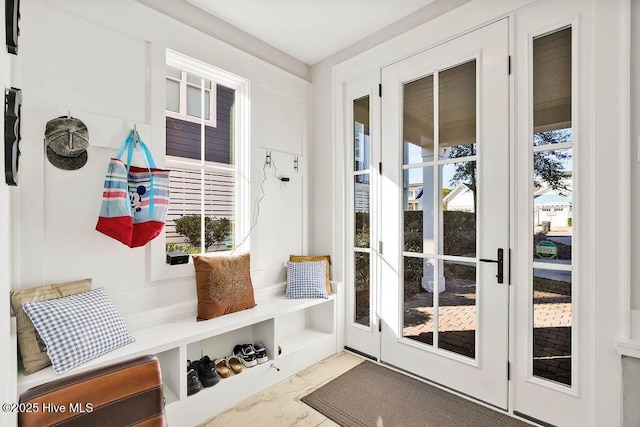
pixel 215 230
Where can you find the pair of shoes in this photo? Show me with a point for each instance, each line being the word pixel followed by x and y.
pixel 251 354
pixel 193 382
pixel 200 373
pixel 227 365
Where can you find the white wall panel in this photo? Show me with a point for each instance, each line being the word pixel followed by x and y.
pixel 104 62
pixel 278 120
pixel 95 68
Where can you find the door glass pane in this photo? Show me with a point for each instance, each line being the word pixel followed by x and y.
pixel 457 308
pixel 552 322
pixel 418 210
pixel 361 141
pixel 362 204
pixel 418 312
pixel 417 121
pixel 553 206
pixel 552 81
pixel 459 183
pixel 457 111
pixel 362 288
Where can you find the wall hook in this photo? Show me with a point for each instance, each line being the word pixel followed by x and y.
pixel 135 134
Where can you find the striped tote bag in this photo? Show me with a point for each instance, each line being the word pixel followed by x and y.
pixel 135 199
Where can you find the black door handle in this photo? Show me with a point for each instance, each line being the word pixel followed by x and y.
pixel 500 262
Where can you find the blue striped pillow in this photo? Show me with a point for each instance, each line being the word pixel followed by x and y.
pixel 78 328
pixel 306 279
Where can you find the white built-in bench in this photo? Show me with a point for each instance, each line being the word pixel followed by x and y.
pixel 296 334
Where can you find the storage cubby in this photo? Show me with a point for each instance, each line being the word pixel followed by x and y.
pixel 300 329
pixel 222 345
pixel 169 361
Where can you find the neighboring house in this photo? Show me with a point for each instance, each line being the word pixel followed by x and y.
pixel 183 145
pixel 414 197
pixel 459 199
pixel 553 206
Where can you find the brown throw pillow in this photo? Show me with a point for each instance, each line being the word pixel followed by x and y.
pixel 223 285
pixel 32 348
pixel 327 258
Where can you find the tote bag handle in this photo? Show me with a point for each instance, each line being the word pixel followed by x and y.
pixel 129 145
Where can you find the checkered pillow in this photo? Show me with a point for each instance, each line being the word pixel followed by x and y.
pixel 78 328
pixel 306 279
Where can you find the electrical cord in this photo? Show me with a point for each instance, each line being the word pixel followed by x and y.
pixel 255 219
pixel 262 195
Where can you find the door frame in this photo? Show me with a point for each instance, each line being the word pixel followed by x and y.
pixel 363 340
pixel 608 261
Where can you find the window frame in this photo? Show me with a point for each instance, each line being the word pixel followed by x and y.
pixel 182 114
pixel 160 270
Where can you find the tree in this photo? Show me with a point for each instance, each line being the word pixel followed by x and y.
pixel 548 166
pixel 215 230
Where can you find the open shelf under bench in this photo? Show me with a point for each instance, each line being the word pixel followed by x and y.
pixel 305 328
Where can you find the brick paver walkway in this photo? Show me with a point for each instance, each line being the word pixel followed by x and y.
pixel 457 324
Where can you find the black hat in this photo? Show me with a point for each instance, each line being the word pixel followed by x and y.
pixel 67 139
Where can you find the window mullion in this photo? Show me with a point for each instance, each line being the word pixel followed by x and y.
pixel 183 93
pixel 202 170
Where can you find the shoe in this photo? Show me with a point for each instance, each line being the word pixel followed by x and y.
pixel 246 354
pixel 221 366
pixel 193 382
pixel 207 372
pixel 233 363
pixel 261 352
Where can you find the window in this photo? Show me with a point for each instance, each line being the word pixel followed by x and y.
pixel 184 93
pixel 206 153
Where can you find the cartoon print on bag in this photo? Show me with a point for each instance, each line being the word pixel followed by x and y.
pixel 136 198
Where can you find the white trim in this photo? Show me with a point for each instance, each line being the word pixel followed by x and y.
pixel 624 183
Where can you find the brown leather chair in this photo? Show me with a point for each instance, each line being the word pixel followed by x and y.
pixel 123 394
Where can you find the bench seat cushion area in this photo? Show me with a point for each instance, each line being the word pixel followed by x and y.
pixel 127 393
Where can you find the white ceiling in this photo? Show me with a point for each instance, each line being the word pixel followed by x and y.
pixel 310 30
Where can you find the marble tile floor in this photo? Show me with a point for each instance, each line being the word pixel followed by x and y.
pixel 280 405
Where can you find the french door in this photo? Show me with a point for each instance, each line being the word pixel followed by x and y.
pixel 444 214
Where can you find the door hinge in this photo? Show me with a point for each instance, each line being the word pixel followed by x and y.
pixel 380 167
pixel 508 371
pixel 509 65
pixel 379 326
pixel 380 247
pixel 380 90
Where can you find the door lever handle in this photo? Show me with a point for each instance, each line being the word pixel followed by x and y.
pixel 500 262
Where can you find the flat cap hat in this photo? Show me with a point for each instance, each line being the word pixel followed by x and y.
pixel 67 139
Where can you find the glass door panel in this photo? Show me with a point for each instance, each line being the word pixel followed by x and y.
pixel 552 208
pixel 457 309
pixel 362 124
pixel 444 204
pixel 361 209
